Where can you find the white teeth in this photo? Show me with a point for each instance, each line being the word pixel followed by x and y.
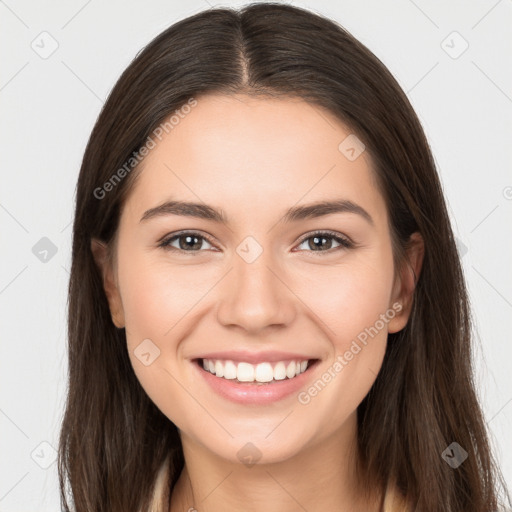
pixel 229 370
pixel 219 369
pixel 262 372
pixel 245 372
pixel 280 371
pixel 290 370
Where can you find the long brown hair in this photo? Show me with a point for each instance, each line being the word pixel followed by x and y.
pixel 113 438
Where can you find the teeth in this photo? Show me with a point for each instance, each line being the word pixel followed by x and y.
pixel 290 370
pixel 262 372
pixel 245 372
pixel 229 370
pixel 280 371
pixel 219 369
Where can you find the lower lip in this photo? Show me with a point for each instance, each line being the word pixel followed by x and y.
pixel 253 393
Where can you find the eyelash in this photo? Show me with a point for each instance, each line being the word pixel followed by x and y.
pixel 345 243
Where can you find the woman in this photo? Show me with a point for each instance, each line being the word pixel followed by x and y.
pixel 266 306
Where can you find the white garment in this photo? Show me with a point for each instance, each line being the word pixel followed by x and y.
pixel 160 494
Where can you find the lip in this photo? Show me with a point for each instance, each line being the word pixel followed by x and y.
pixel 251 392
pixel 255 358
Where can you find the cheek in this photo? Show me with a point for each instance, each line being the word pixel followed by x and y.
pixel 157 296
pixel 350 298
pixel 352 306
pixel 160 303
pixel 155 302
pixel 344 301
pixel 341 304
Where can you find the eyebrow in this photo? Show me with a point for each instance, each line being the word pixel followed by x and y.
pixel 293 214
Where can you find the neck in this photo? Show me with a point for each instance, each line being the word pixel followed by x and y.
pixel 321 477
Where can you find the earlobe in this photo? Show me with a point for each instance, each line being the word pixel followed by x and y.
pixel 407 279
pixel 100 254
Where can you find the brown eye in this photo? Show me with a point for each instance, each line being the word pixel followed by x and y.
pixel 186 242
pixel 323 242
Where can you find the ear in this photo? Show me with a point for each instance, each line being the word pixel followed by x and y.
pixel 405 284
pixel 100 253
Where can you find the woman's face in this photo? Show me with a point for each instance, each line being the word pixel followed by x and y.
pixel 257 286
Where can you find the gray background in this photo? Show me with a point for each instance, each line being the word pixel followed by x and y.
pixel 49 105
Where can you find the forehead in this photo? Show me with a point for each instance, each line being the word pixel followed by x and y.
pixel 256 153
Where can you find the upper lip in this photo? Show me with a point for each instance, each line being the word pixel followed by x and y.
pixel 255 357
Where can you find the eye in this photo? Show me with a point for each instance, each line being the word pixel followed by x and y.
pixel 192 242
pixel 187 241
pixel 321 241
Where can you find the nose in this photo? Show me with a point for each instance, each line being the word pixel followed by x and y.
pixel 255 296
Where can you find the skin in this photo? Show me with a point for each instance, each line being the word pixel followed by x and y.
pixel 253 159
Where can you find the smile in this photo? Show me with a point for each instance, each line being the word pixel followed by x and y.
pixel 264 372
pixel 258 383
